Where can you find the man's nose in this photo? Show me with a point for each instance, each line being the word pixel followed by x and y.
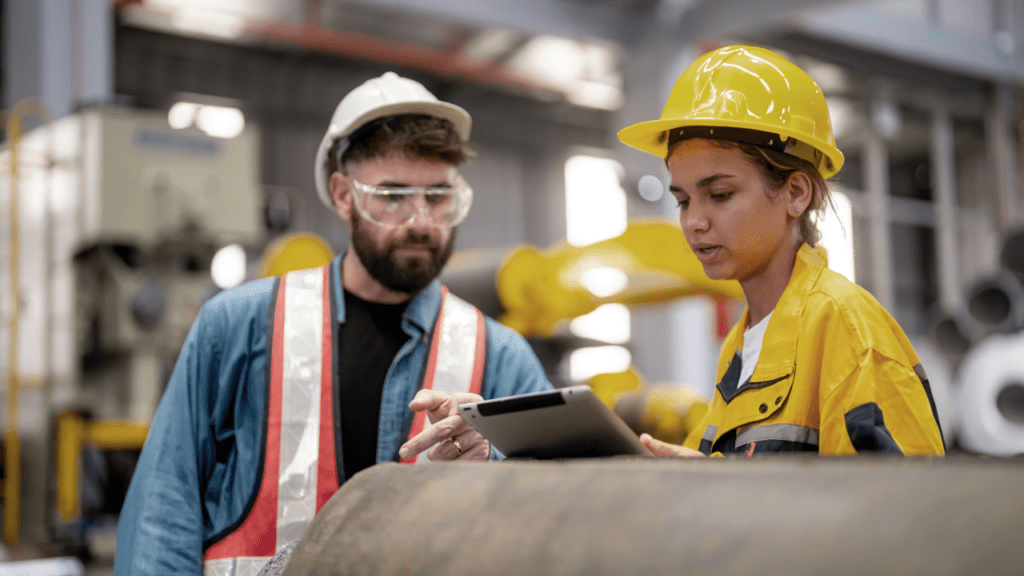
pixel 421 215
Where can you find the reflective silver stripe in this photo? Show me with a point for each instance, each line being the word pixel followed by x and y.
pixel 245 566
pixel 709 433
pixel 453 371
pixel 300 404
pixel 785 432
pixel 457 349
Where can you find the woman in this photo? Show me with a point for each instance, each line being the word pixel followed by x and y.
pixel 815 364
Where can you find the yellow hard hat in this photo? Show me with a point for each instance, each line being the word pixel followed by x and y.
pixel 732 91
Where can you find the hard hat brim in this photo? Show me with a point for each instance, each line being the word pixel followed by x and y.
pixel 651 137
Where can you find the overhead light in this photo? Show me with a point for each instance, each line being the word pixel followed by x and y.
pixel 220 121
pixel 609 323
pixel 650 187
pixel 604 281
pixel 886 117
pixel 228 266
pixel 585 363
pixel 843 115
pixel 182 114
pixel 595 203
pixel 593 94
pixel 217 121
pixel 491 43
pixel 830 78
pixel 202 21
pixel 551 60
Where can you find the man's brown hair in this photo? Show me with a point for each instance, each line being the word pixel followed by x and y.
pixel 416 135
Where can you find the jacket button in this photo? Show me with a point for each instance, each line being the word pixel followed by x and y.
pixel 763 408
pixel 778 400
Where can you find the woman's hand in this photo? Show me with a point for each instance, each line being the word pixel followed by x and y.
pixel 666 450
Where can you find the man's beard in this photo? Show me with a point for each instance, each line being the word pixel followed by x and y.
pixel 409 276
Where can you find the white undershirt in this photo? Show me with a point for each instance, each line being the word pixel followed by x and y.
pixel 753 337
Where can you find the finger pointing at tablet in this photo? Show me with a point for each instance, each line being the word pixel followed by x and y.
pixel 449 437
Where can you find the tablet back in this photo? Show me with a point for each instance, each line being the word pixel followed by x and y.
pixel 564 423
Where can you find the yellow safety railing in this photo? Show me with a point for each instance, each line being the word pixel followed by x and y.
pixel 12 483
pixel 73 431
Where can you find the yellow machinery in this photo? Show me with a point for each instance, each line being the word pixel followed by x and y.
pixel 74 431
pixel 297 251
pixel 666 410
pixel 539 289
pixel 111 218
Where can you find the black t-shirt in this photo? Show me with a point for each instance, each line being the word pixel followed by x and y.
pixel 368 342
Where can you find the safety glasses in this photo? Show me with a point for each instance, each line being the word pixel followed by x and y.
pixel 396 206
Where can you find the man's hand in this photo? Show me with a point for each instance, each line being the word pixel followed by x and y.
pixel 666 450
pixel 450 435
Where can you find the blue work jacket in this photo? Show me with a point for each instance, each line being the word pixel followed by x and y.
pixel 200 464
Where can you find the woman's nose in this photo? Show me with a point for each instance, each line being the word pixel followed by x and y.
pixel 694 218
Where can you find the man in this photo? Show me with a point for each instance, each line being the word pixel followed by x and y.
pixel 286 387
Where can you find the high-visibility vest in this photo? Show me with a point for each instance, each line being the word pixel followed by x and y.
pixel 299 463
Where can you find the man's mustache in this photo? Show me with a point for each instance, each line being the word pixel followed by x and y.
pixel 416 240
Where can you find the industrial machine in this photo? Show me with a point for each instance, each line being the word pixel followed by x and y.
pixel 114 220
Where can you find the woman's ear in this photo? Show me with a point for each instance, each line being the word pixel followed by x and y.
pixel 341 195
pixel 801 193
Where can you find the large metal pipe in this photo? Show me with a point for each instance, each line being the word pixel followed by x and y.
pixel 651 516
pixel 952 335
pixel 990 394
pixel 996 303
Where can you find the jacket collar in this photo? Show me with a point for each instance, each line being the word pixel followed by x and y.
pixel 421 311
pixel 778 350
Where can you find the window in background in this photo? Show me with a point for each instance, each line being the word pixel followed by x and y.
pixel 595 207
pixel 836 226
pixel 595 203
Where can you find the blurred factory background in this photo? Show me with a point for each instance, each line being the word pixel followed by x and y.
pixel 157 151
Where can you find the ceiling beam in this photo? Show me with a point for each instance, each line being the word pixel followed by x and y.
pixel 576 19
pixel 916 40
pixel 443 63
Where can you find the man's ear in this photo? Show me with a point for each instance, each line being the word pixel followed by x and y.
pixel 801 193
pixel 341 195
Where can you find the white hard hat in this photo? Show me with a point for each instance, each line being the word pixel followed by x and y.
pixel 378 97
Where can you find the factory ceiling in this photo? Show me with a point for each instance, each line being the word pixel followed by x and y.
pixel 551 49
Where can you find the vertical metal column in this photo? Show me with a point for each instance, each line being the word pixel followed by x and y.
pixel 1002 152
pixel 12 446
pixel 876 168
pixel 943 161
pixel 32 466
pixel 64 59
pixel 65 52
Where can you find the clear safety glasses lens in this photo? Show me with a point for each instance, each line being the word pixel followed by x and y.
pixel 397 206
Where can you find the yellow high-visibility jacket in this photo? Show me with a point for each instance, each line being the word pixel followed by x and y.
pixel 836 375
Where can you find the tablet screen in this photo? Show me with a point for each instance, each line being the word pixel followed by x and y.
pixel 565 423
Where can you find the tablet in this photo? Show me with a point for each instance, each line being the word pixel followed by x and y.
pixel 564 423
